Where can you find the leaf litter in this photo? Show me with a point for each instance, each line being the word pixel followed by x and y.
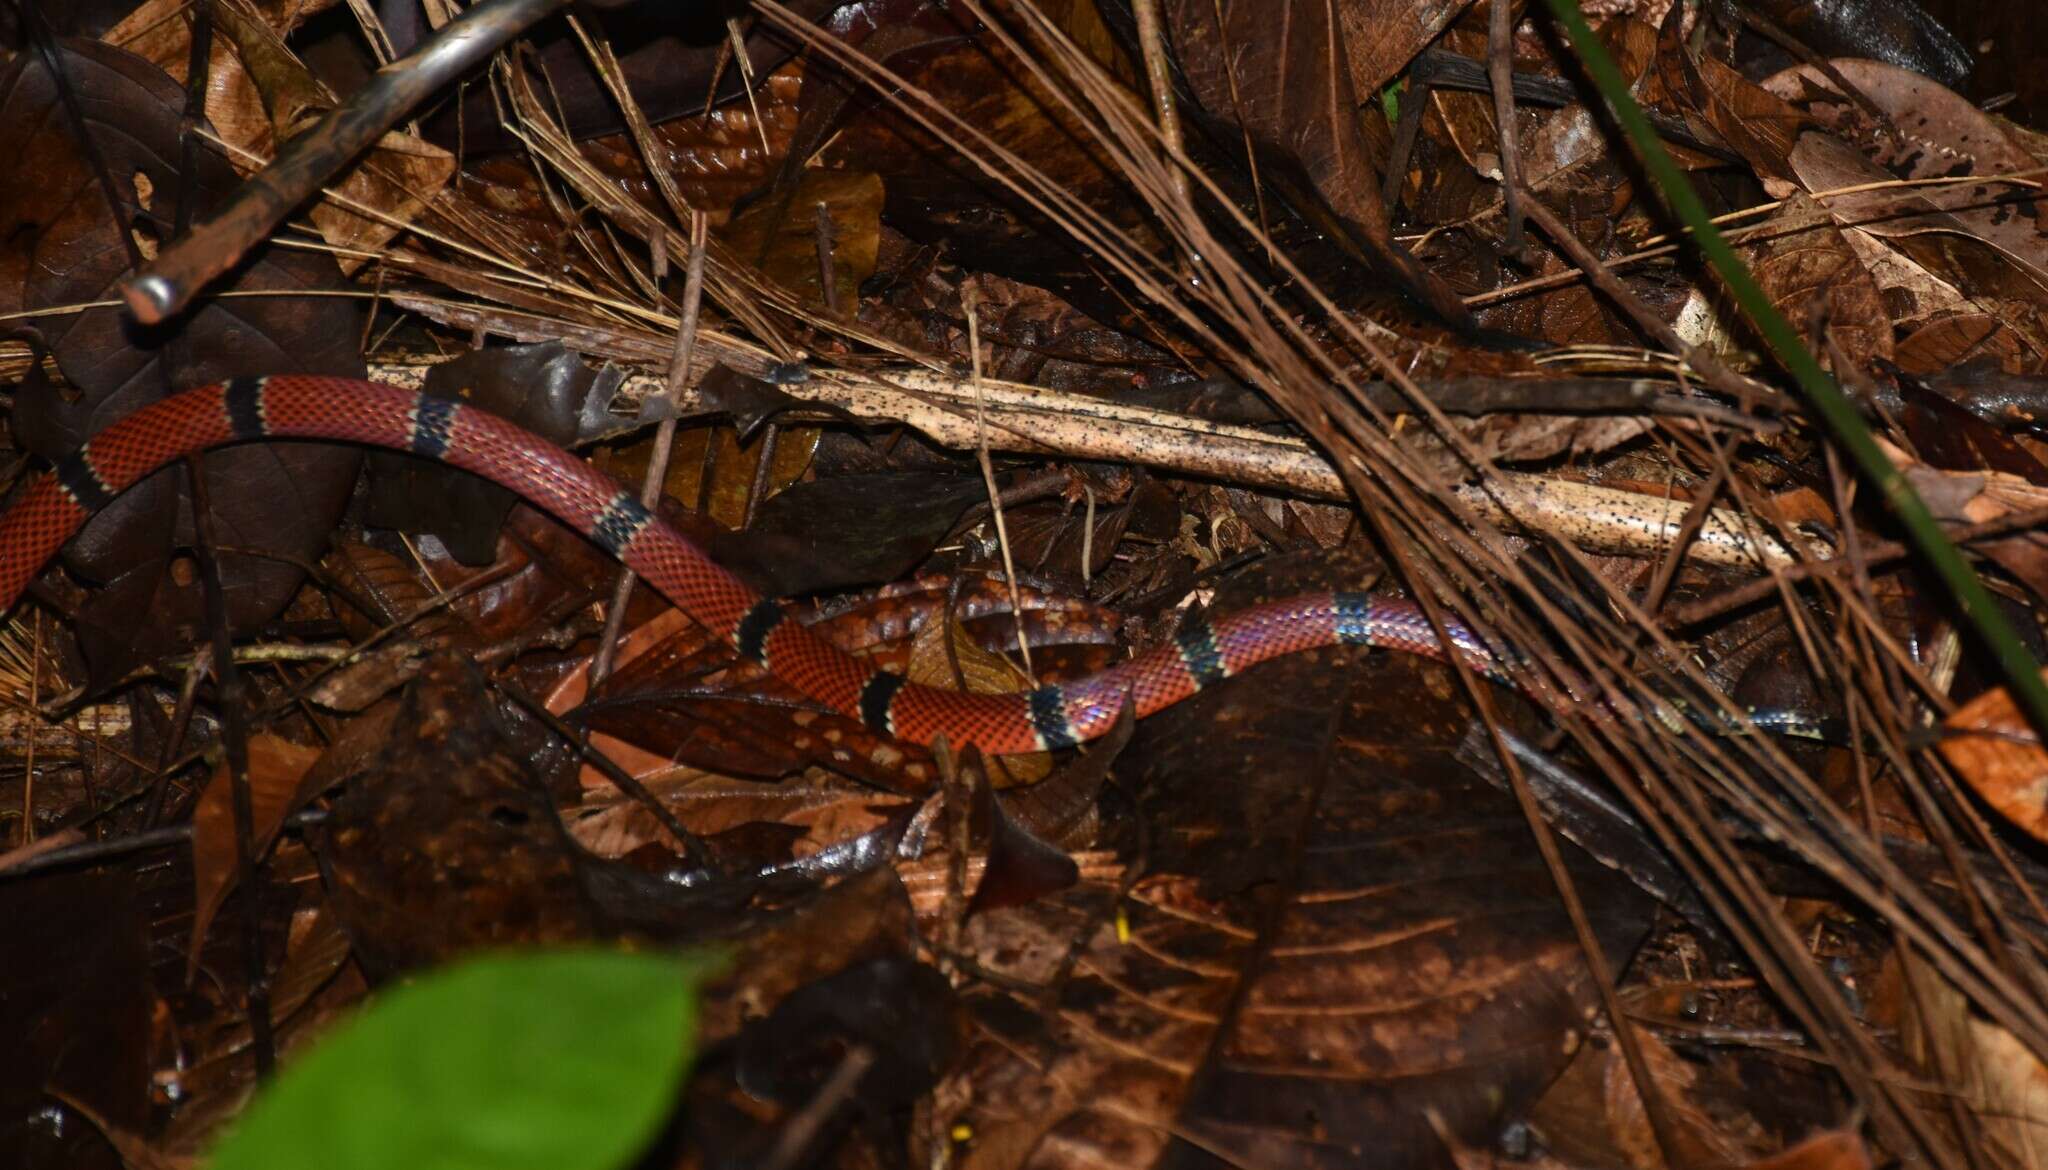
pixel 1250 331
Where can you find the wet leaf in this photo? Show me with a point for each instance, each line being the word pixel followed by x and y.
pixel 780 234
pixel 1898 32
pixel 1382 36
pixel 849 530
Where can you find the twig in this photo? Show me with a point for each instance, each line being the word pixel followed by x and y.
pixel 695 852
pixel 235 738
pixel 828 269
pixel 802 1128
pixel 664 440
pixel 1717 375
pixel 995 495
pixel 76 850
pixel 1667 567
pixel 28 781
pixel 181 719
pixel 164 288
pixel 1876 553
pixel 1500 71
pixel 1159 78
pixel 738 40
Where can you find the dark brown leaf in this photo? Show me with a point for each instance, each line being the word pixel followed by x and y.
pixel 447 843
pixel 1810 271
pixel 66 246
pixel 544 388
pixel 1284 75
pixel 276 766
pixel 848 531
pixel 1339 928
pixel 1382 36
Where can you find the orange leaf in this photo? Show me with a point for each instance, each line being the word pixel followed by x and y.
pixel 1994 749
pixel 1833 1149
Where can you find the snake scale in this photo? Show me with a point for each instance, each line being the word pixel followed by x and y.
pixel 294 406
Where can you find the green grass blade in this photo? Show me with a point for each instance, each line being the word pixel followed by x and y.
pixel 2022 673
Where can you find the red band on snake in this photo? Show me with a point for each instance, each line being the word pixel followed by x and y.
pixel 349 410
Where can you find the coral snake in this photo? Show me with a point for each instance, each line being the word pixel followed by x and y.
pixel 295 406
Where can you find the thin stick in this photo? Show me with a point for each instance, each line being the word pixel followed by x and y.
pixel 234 717
pixel 995 497
pixel 28 784
pixel 1667 567
pixel 1152 43
pixel 746 64
pixel 164 288
pixel 803 1127
pixel 1500 71
pixel 664 440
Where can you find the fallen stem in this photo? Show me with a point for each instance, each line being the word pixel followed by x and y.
pixel 1843 421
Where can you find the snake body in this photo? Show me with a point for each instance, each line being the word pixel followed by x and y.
pixel 349 410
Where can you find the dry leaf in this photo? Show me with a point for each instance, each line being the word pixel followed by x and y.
pixel 979 672
pixel 2001 1082
pixel 275 767
pixel 1834 1149
pixel 259 93
pixel 1992 747
pixel 1706 1144
pixel 1803 262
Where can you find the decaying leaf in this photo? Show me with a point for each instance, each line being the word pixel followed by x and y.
pixel 276 766
pixel 1992 746
pixel 65 246
pixel 259 94
pixel 1333 923
pixel 1815 279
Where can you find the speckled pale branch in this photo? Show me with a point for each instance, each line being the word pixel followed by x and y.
pixel 1034 420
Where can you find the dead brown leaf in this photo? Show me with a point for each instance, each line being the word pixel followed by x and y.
pixel 2002 1084
pixel 275 768
pixel 260 94
pixel 1834 1149
pixel 1807 267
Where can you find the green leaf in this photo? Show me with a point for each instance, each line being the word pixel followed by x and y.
pixel 554 1060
